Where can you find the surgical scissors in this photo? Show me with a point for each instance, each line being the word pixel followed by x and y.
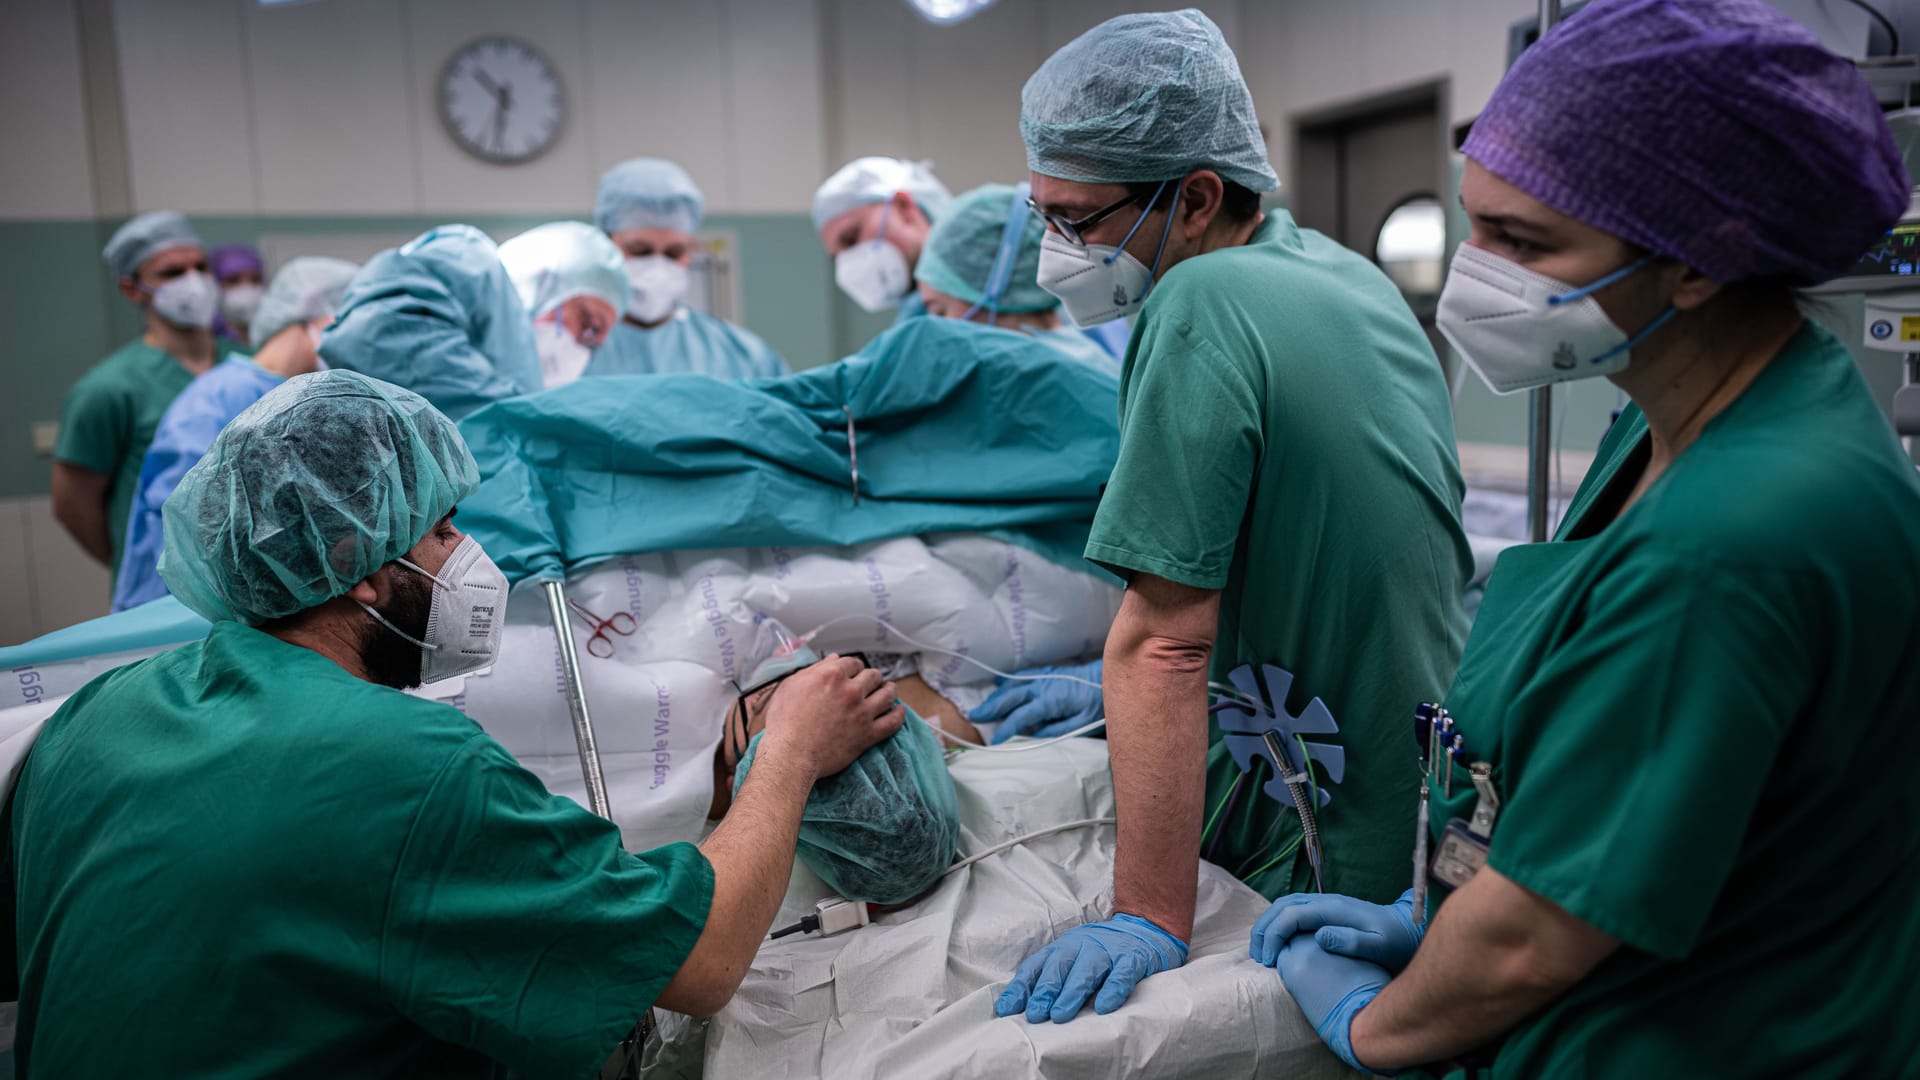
pixel 600 644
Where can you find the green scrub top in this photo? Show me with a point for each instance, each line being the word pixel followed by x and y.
pixel 1698 716
pixel 1286 437
pixel 237 860
pixel 110 417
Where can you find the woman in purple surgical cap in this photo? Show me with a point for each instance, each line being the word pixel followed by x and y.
pixel 1667 836
pixel 242 277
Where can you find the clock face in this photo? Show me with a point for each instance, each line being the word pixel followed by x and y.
pixel 501 100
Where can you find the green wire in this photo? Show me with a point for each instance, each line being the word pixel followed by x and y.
pixel 1221 806
pixel 1277 859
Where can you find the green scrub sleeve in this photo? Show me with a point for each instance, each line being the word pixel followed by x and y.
pixel 94 425
pixel 517 924
pixel 1190 446
pixel 1655 722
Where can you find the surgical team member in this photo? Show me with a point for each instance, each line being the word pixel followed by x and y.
pixel 873 217
pixel 1689 712
pixel 111 413
pixel 440 316
pixel 979 264
pixel 242 277
pixel 1286 492
pixel 287 322
pixel 253 855
pixel 651 209
pixel 570 279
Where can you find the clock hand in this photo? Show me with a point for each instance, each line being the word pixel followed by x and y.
pixel 499 121
pixel 485 82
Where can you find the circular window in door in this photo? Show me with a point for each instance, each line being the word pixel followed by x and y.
pixel 1412 246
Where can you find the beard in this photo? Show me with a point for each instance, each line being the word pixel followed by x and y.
pixel 389 659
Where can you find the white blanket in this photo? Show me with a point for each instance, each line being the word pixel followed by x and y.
pixel 912 995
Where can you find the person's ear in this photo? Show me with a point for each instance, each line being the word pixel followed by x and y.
pixel 130 288
pixel 1201 196
pixel 906 209
pixel 1692 289
pixel 374 589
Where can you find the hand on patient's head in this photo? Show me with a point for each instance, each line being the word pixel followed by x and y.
pixel 830 713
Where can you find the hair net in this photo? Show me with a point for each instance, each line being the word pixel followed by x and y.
pixel 959 254
pixel 307 288
pixel 227 260
pixel 143 238
pixel 1716 132
pixel 315 486
pixel 1144 97
pixel 869 180
pixel 648 193
pixel 553 263
pixel 886 827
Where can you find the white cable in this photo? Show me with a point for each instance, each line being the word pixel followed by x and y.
pixel 896 632
pixel 1017 749
pixel 1018 840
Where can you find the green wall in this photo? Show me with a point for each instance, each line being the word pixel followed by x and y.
pixel 60 312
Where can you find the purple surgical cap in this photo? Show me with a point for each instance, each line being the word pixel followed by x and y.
pixel 1716 132
pixel 230 259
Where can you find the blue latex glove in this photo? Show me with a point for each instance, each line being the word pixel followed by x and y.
pixel 1109 957
pixel 1331 990
pixel 1042 707
pixel 1381 934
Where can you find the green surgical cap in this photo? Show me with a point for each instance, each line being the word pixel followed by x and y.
pixel 553 263
pixel 648 193
pixel 144 237
pixel 1142 98
pixel 318 484
pixel 959 253
pixel 305 289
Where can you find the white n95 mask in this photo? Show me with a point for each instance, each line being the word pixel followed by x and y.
pixel 239 303
pixel 188 300
pixel 562 358
pixel 1520 330
pixel 875 274
pixel 1098 283
pixel 657 285
pixel 469 608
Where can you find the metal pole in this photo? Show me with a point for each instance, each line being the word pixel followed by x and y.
pixel 1540 402
pixel 577 700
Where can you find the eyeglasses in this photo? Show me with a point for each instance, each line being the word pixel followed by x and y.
pixel 739 719
pixel 1073 230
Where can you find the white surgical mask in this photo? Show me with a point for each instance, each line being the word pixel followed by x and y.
pixel 657 286
pixel 874 273
pixel 562 359
pixel 469 607
pixel 239 303
pixel 188 300
pixel 1100 282
pixel 1520 330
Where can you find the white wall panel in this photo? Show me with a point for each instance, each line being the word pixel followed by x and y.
pixel 45 171
pixel 870 79
pixel 658 75
pixel 190 140
pixel 451 180
pixel 332 108
pixel 778 121
pixel 968 92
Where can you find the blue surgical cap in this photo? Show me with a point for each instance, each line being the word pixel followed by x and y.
pixel 553 263
pixel 959 254
pixel 307 288
pixel 648 193
pixel 868 180
pixel 318 484
pixel 1141 98
pixel 144 237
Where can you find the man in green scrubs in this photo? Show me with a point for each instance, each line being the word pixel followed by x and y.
pixel 1690 712
pixel 254 855
pixel 1286 493
pixel 111 413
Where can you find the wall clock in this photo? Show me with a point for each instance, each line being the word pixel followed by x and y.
pixel 501 100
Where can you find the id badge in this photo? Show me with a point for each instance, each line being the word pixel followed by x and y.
pixel 1461 855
